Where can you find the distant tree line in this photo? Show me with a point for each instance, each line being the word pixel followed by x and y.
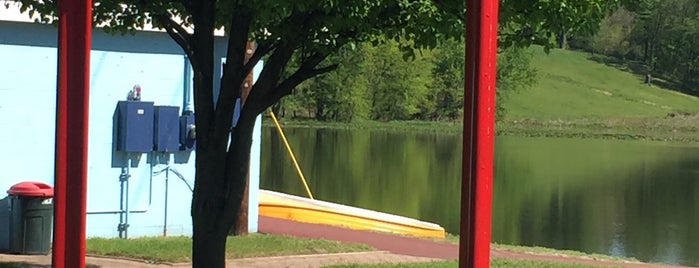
pixel 657 37
pixel 380 81
pixel 383 83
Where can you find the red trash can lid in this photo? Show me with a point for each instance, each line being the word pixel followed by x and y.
pixel 31 188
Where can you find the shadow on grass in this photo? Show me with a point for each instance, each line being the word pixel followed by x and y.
pixel 31 265
pixel 640 69
pixel 628 66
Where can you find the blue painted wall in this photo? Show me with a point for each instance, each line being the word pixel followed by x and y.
pixel 27 124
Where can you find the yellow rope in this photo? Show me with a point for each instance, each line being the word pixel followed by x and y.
pixel 293 158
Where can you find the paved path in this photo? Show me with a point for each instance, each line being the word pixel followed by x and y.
pixel 300 261
pixel 323 260
pixel 413 246
pixel 393 249
pixel 382 241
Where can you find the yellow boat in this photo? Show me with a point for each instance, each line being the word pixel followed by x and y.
pixel 290 207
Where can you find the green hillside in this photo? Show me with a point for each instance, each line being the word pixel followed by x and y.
pixel 571 86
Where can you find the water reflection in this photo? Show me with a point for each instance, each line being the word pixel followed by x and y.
pixel 620 198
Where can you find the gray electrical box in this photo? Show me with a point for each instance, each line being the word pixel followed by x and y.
pixel 167 129
pixel 135 126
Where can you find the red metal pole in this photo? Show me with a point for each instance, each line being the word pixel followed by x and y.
pixel 72 106
pixel 479 130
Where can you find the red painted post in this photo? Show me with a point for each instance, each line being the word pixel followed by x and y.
pixel 72 106
pixel 479 131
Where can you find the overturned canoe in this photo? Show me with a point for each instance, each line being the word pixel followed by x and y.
pixel 285 206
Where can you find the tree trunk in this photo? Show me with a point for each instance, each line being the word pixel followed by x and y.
pixel 221 181
pixel 209 220
pixel 210 250
pixel 209 234
pixel 320 112
pixel 222 167
pixel 563 40
pixel 208 209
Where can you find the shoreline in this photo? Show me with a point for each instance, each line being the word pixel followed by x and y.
pixel 675 129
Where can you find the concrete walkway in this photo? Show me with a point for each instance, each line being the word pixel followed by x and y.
pixel 316 260
pixel 323 260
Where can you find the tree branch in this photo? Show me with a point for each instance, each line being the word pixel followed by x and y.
pixel 270 76
pixel 306 71
pixel 267 90
pixel 313 61
pixel 178 34
pixel 233 74
pixel 261 50
pixel 167 19
pixel 203 16
pixel 286 87
pixel 290 83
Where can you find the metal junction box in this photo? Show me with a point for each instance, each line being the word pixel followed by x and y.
pixel 135 126
pixel 187 132
pixel 167 129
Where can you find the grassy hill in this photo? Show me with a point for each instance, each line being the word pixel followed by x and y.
pixel 571 86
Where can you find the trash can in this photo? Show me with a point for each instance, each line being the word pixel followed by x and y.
pixel 5 224
pixel 31 217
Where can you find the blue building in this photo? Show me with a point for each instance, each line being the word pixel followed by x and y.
pixel 158 193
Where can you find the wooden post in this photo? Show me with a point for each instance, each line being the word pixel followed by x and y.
pixel 242 226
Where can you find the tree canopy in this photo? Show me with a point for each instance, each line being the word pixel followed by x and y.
pixel 523 23
pixel 374 83
pixel 652 37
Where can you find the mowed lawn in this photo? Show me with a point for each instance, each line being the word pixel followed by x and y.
pixel 572 86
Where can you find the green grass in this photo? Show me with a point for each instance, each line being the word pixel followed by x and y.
pixel 495 263
pixel 557 252
pixel 507 263
pixel 451 238
pixel 178 249
pixel 445 264
pixel 572 86
pixel 684 128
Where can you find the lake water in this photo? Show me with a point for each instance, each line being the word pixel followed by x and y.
pixel 623 198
